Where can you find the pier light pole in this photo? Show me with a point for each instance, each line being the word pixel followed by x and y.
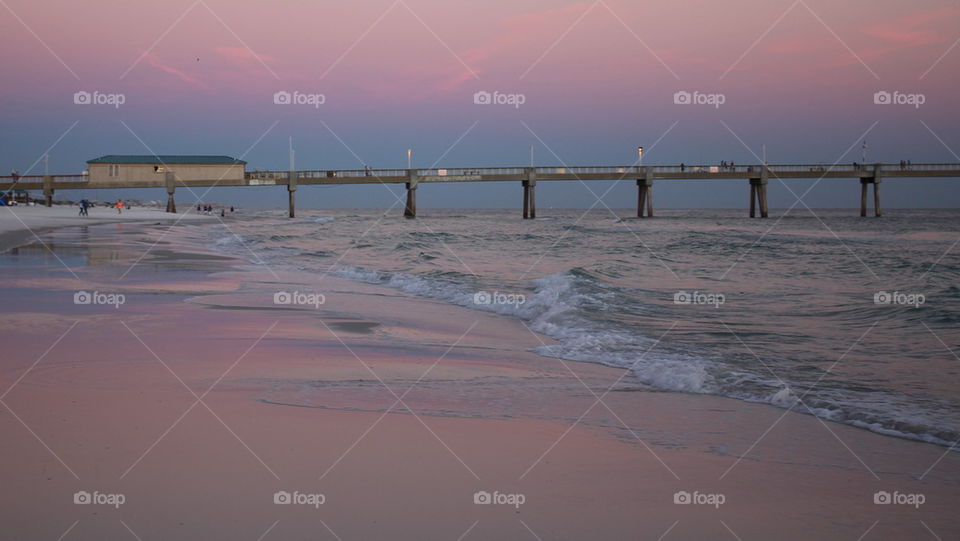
pixel 409 158
pixel 640 156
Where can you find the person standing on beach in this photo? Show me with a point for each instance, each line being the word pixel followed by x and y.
pixel 119 206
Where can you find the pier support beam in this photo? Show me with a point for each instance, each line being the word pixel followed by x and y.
pixel 170 179
pixel 530 195
pixel 410 210
pixel 864 181
pixel 291 190
pixel 876 198
pixel 48 190
pixel 758 197
pixel 876 190
pixel 645 193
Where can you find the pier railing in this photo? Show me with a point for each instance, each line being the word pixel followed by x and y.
pixel 39 178
pixel 759 176
pixel 625 171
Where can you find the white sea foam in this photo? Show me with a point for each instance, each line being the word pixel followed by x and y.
pixel 594 321
pixel 554 309
pixel 784 397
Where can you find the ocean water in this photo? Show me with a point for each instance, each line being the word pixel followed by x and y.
pixel 788 311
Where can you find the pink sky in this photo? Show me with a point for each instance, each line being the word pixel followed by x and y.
pixel 598 77
pixel 437 50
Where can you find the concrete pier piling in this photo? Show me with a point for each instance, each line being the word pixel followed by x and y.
pixel 874 178
pixel 533 199
pixel 644 198
pixel 763 200
pixel 530 194
pixel 863 197
pixel 876 197
pixel 410 210
pixel 864 182
pixel 758 197
pixel 291 191
pixel 645 193
pixel 758 193
pixel 170 181
pixel 48 190
pixel 876 190
pixel 526 199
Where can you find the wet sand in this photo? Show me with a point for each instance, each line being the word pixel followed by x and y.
pixel 21 224
pixel 198 398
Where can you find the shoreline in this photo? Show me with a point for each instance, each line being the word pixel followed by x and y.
pixel 22 225
pixel 488 415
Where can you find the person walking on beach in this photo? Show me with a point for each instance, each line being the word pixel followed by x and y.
pixel 119 206
pixel 83 207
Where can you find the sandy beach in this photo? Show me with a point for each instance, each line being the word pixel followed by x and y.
pixel 22 223
pixel 544 270
pixel 200 401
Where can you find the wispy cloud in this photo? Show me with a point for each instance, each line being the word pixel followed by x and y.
pixel 154 61
pixel 242 55
pixel 914 29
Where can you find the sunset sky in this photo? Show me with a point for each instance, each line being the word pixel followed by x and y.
pixel 597 80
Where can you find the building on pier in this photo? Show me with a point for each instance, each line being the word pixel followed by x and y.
pixel 127 169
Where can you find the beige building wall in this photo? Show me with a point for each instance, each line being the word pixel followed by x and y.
pixel 152 175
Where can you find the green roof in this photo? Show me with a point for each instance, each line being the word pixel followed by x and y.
pixel 168 159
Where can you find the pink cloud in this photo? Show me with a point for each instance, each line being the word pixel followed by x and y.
pixel 154 60
pixel 523 28
pixel 242 54
pixel 912 30
pixel 517 31
pixel 903 33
